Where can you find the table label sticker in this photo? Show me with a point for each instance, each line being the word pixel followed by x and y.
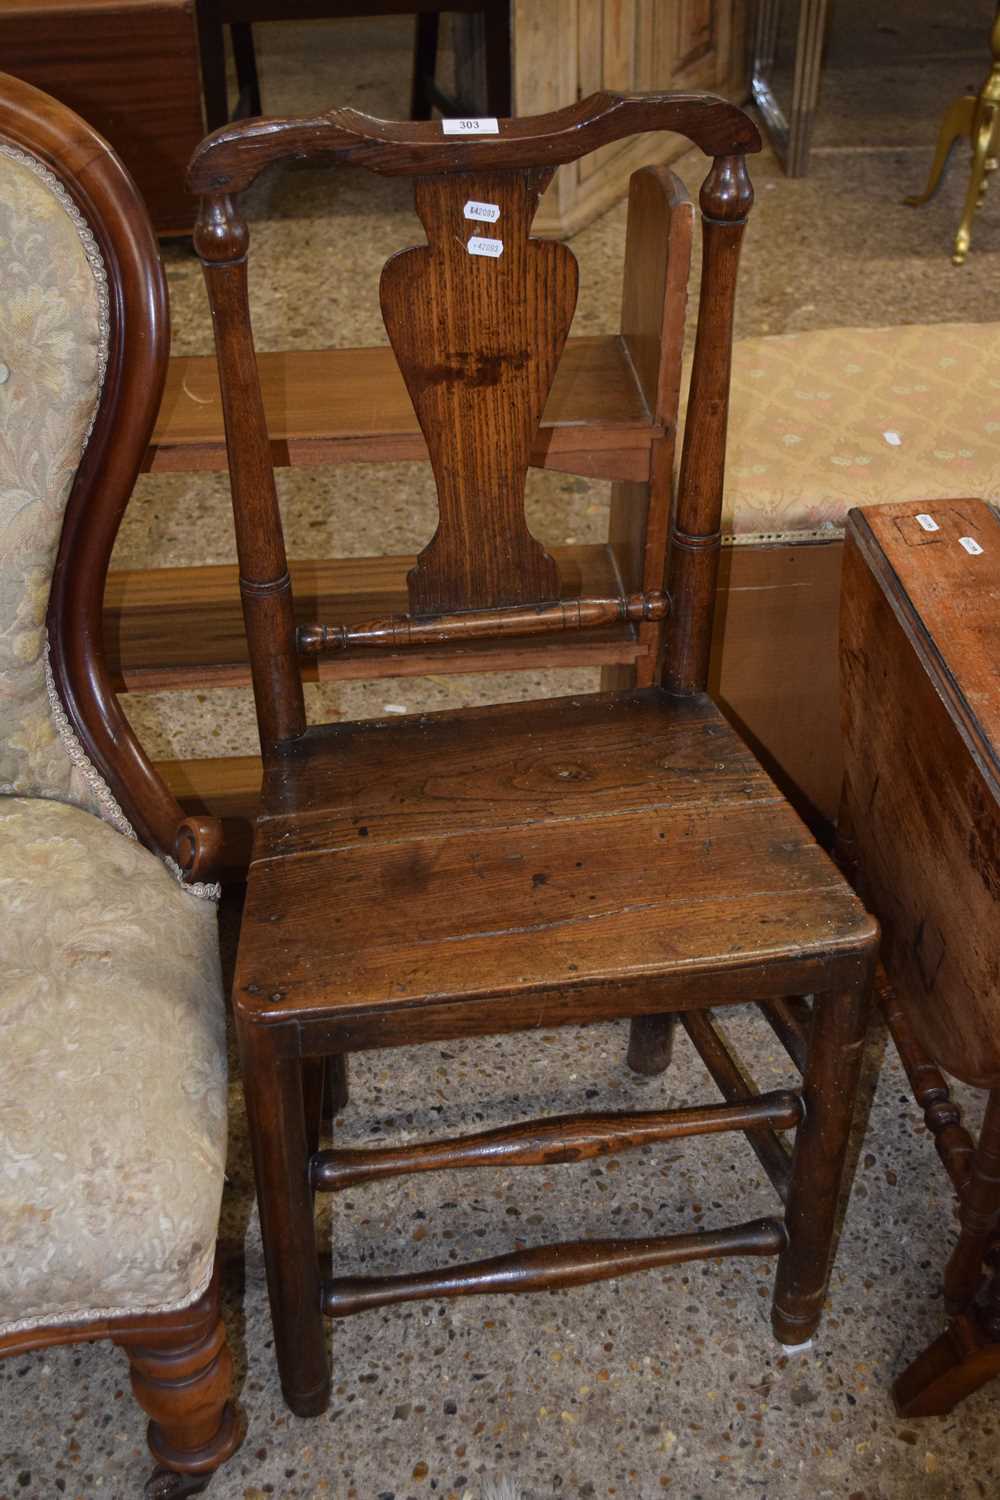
pixel 480 246
pixel 970 544
pixel 471 127
pixel 488 212
pixel 926 522
pixel 893 439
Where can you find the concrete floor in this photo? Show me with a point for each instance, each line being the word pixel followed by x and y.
pixel 669 1382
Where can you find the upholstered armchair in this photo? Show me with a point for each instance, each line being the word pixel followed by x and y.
pixel 112 1054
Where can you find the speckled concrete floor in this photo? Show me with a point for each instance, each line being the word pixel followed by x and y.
pixel 663 1383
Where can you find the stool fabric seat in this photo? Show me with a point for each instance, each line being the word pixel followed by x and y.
pixel 112 1074
pixel 826 420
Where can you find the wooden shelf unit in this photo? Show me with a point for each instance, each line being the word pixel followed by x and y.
pixel 611 414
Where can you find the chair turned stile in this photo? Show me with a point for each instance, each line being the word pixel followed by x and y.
pixel 530 860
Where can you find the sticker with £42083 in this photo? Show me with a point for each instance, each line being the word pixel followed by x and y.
pixel 487 212
pixel 926 522
pixel 971 546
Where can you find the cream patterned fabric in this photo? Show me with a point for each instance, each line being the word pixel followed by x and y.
pixel 112 1074
pixel 823 421
pixel 53 336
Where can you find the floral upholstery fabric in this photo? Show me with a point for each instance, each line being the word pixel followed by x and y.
pixel 53 331
pixel 823 421
pixel 112 1074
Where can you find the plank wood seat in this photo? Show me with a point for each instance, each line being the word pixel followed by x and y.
pixel 469 873
pixel 533 818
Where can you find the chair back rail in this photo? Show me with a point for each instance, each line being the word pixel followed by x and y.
pixel 477 318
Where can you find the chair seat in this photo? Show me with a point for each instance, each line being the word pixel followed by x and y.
pixel 521 855
pixel 112 1074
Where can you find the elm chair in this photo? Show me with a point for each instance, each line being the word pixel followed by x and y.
pixel 112 1049
pixel 490 870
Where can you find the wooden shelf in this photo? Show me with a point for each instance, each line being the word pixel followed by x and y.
pixel 333 406
pixel 179 628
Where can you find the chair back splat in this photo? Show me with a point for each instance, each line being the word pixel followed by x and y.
pixel 477 318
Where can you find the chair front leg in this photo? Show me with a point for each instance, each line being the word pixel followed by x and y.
pixel 830 1086
pixel 276 1113
pixel 182 1377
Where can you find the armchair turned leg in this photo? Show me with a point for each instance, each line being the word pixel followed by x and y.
pixel 650 1044
pixel 830 1086
pixel 182 1377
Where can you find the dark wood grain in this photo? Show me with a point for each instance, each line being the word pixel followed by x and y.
pixel 920 657
pixel 533 818
pixel 478 340
pixel 695 539
pixel 230 159
pixel 920 827
pixel 560 1139
pixel 401 632
pixel 555 1266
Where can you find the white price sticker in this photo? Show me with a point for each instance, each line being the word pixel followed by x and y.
pixel 479 246
pixel 926 522
pixel 487 212
pixel 971 546
pixel 470 127
pixel 893 439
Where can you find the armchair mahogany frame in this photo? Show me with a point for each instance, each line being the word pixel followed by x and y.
pixel 180 1362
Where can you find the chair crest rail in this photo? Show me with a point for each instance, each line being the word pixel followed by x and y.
pixel 230 159
pixel 475 624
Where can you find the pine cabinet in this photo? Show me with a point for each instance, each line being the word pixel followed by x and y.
pixel 566 49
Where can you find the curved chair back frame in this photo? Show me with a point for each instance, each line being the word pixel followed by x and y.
pixel 139 338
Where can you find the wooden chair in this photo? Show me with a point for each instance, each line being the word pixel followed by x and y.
pixel 920 829
pixel 112 1045
pixel 505 868
pixel 242 15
